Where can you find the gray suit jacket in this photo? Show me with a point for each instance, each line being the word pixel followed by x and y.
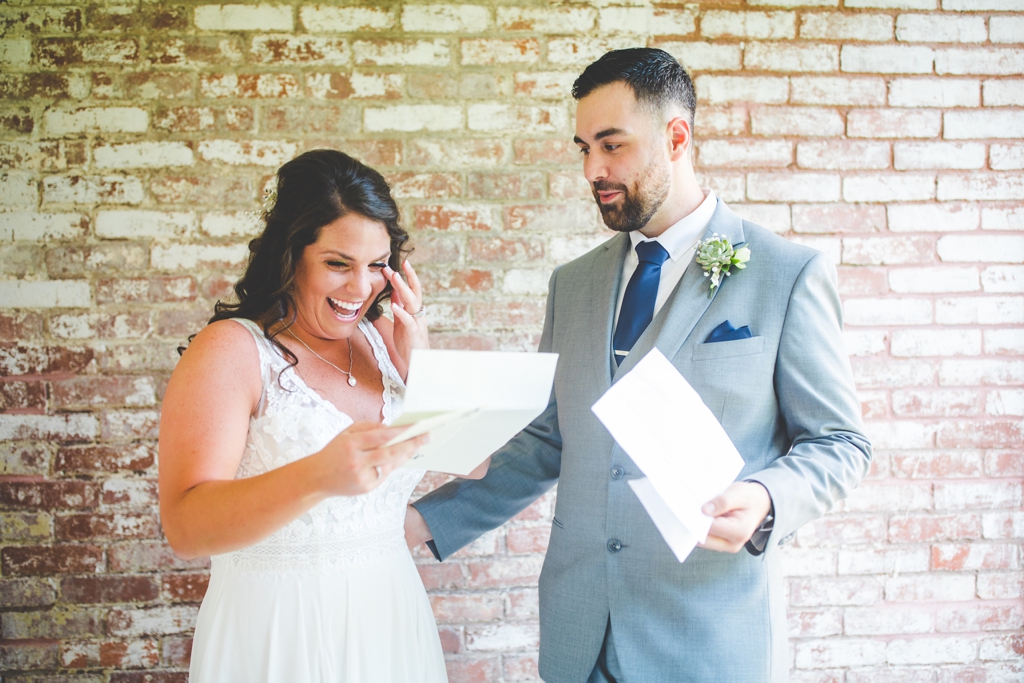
pixel 786 398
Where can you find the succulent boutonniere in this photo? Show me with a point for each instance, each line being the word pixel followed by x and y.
pixel 717 256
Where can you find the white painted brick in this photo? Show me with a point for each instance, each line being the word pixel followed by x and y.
pixel 42 227
pixel 724 89
pixel 888 187
pixel 981 186
pixel 268 85
pixel 326 19
pixel 503 637
pixel 551 85
pixel 830 246
pixel 793 187
pixel 893 123
pixel 932 217
pixel 1005 401
pixel 886 560
pixel 521 281
pixel 248 153
pixel 839 155
pixel 891 4
pixel 839 217
pixel 897 311
pixel 546 20
pixel 940 28
pixel 578 52
pixel 1006 157
pixel 931 403
pixel 763 25
pixel 996 218
pixel 961 125
pixel 994 61
pixel 886 59
pixel 793 3
pixel 1003 92
pixel 699 56
pixel 982 248
pixel 901 435
pixel 550 119
pixel 18 190
pixel 564 249
pixel 497 51
pixel 934 92
pixel 888 373
pixel 445 18
pixel 776 57
pixel 822 654
pixel 111 189
pixel 143 155
pixel 840 26
pixel 979 372
pixel 402 52
pixel 921 155
pixel 982 5
pixel 283 49
pixel 745 153
pixel 362 85
pixel 835 90
pixel 993 310
pixel 184 257
pixel 45 294
pixel 412 117
pixel 59 122
pixel 934 280
pixel 1003 279
pixel 646 21
pixel 805 121
pixel 1003 525
pixel 136 224
pixel 865 342
pixel 775 217
pixel 15 52
pixel 885 250
pixel 808 562
pixel 1006 29
pixel 230 224
pixel 886 620
pixel 918 343
pixel 244 18
pixel 77 426
pixel 955 649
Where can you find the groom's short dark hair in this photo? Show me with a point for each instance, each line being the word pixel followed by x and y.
pixel 656 78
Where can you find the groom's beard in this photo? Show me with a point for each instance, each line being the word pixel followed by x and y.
pixel 638 204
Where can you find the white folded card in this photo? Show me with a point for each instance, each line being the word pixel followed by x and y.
pixel 663 425
pixel 471 402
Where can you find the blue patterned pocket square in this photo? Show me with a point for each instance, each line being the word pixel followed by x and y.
pixel 726 332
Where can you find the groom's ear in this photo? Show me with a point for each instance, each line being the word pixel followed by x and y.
pixel 680 137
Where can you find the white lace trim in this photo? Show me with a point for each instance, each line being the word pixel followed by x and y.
pixel 315 557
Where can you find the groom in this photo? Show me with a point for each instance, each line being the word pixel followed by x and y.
pixel 764 351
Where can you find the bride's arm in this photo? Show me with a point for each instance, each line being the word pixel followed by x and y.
pixel 203 427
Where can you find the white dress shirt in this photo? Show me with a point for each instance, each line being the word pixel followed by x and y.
pixel 680 241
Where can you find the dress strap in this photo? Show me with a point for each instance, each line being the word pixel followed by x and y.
pixel 394 387
pixel 266 351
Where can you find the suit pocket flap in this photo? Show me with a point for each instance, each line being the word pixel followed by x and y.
pixel 728 349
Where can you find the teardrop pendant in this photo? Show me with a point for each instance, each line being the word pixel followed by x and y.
pixel 351 381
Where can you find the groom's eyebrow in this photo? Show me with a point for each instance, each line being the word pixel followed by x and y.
pixel 607 132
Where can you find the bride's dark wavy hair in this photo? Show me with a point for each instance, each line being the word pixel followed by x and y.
pixel 313 190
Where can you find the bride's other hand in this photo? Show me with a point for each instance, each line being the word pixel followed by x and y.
pixel 406 303
pixel 357 461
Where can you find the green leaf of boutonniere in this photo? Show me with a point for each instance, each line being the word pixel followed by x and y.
pixel 717 257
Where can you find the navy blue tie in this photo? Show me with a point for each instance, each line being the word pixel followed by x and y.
pixel 638 301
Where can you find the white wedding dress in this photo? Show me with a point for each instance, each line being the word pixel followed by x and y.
pixel 334 595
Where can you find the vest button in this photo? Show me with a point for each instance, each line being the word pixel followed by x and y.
pixel 617 472
pixel 614 545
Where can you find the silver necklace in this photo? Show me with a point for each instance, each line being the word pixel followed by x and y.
pixel 351 379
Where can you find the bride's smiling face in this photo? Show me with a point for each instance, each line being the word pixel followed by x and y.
pixel 340 275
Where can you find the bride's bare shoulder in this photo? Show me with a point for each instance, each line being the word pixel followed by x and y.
pixel 224 350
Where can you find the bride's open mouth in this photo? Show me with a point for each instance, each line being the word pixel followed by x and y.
pixel 345 311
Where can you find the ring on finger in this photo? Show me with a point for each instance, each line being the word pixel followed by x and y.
pixel 420 313
pixel 379 471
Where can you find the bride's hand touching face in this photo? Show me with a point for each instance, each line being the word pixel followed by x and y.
pixel 410 315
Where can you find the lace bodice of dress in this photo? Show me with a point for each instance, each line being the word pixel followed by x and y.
pixel 293 421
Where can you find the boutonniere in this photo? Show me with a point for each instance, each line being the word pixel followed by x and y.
pixel 717 256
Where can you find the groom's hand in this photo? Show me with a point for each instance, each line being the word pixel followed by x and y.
pixel 738 513
pixel 416 530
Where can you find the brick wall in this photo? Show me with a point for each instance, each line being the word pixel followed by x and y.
pixel 135 136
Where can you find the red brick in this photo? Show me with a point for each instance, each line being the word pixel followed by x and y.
pixel 32 360
pixel 455 218
pixel 546 152
pixel 923 528
pixel 473 669
pixel 504 572
pixel 839 531
pixel 526 540
pixel 465 280
pixel 517 667
pixel 424 185
pixel 22 396
pixel 110 526
pixel 193 51
pixel 180 323
pixel 495 314
pixel 148 556
pixel 332 119
pixel 504 249
pixel 451 639
pixel 184 587
pixel 160 17
pixel 48 495
pixel 62 52
pixel 17 121
pixel 463 342
pixel 108 589
pixel 160 85
pixel 1004 464
pixel 217 287
pixel 177 652
pixel 467 607
pixel 104 391
pixel 937 464
pixel 980 616
pixel 20 325
pixel 974 556
pixel 995 434
pixel 58 559
pixel 23 655
pixel 441 576
pixel 506 185
pixel 94 458
pixel 149 677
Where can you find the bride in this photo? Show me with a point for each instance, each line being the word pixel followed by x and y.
pixel 273 456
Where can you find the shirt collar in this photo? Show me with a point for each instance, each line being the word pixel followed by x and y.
pixel 681 236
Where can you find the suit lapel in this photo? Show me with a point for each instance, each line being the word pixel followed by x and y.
pixel 605 281
pixel 688 302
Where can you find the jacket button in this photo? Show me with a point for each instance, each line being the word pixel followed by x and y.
pixel 617 472
pixel 614 545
